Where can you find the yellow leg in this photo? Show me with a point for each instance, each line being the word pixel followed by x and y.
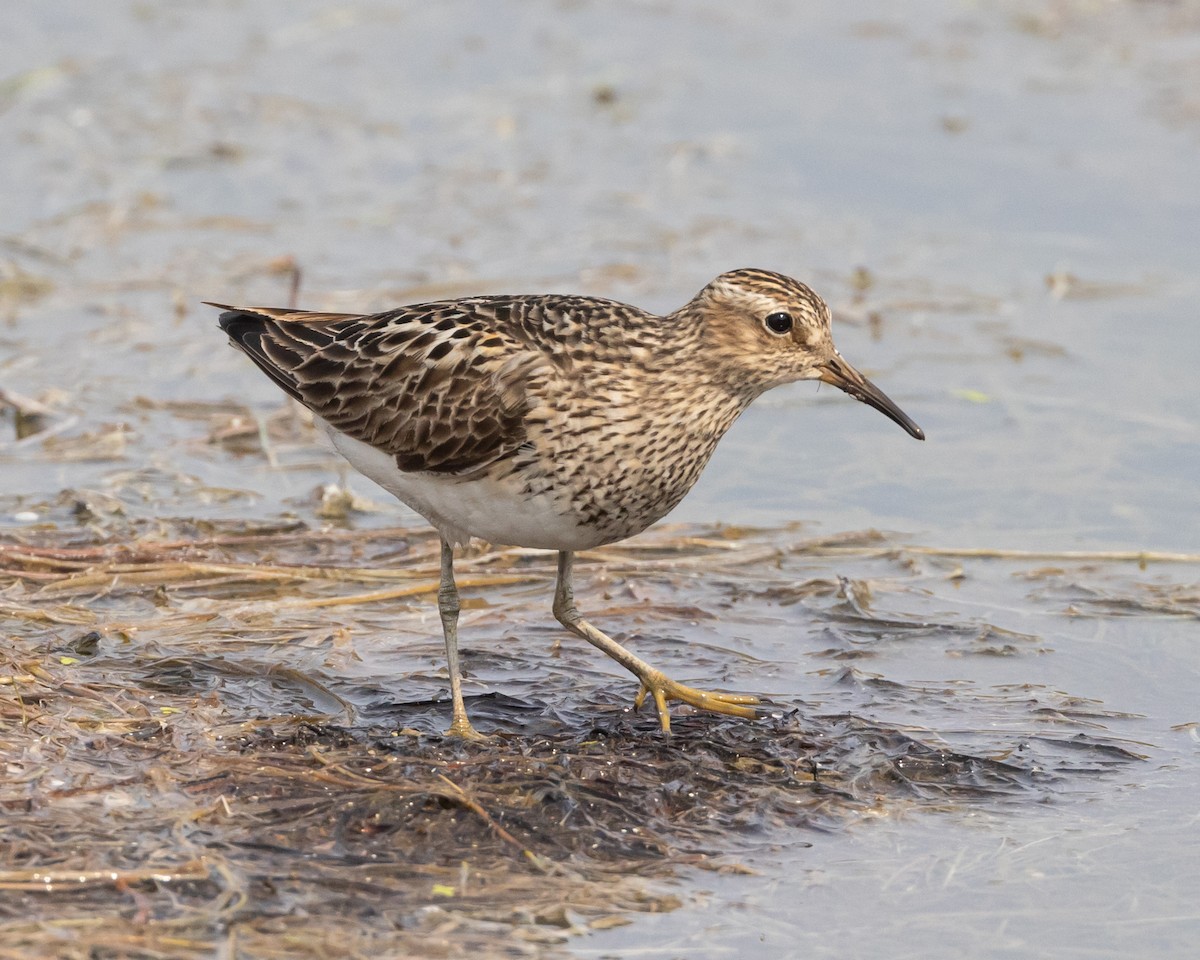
pixel 448 607
pixel 653 682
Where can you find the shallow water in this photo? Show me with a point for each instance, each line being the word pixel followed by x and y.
pixel 999 201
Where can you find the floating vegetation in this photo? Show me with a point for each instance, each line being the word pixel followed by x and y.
pixel 202 746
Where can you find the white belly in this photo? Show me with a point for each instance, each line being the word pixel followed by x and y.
pixel 493 510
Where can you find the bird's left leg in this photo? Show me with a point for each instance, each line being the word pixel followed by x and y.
pixel 654 682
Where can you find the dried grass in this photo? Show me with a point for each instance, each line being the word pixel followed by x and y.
pixel 164 799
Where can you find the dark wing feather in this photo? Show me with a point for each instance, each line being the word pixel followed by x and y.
pixel 254 332
pixel 436 386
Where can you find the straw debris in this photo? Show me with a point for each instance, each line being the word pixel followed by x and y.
pixel 211 744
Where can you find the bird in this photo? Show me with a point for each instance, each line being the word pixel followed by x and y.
pixel 549 421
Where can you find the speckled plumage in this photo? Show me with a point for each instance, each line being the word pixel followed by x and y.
pixel 559 422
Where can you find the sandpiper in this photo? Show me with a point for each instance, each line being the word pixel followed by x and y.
pixel 557 422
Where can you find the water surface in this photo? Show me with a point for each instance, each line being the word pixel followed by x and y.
pixel 1000 203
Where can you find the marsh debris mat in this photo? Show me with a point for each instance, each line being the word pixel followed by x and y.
pixel 229 736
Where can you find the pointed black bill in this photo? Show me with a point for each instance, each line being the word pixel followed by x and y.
pixel 843 376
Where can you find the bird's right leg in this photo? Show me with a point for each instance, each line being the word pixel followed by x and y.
pixel 448 607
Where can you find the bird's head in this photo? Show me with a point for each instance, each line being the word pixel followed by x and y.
pixel 762 329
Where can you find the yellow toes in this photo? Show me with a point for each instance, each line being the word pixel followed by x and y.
pixel 461 727
pixel 665 689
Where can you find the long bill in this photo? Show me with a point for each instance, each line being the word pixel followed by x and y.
pixel 840 374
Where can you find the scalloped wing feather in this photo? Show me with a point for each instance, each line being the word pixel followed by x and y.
pixel 437 386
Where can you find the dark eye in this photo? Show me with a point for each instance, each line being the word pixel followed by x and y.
pixel 779 323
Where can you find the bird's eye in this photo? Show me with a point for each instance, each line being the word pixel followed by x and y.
pixel 779 323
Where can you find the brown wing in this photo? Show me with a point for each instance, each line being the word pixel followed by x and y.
pixel 436 385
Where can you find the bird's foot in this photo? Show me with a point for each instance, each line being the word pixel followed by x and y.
pixel 663 689
pixel 461 727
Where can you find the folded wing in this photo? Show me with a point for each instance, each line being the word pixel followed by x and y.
pixel 437 386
